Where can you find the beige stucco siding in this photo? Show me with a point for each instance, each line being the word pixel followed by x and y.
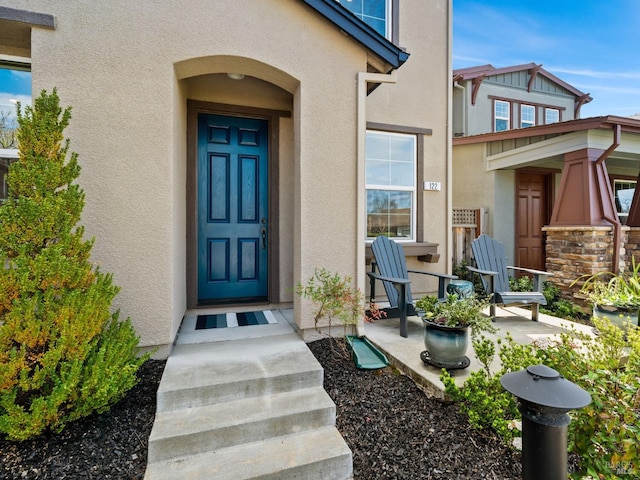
pixel 127 68
pixel 420 99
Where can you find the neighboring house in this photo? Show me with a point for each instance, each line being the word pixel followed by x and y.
pixel 222 144
pixel 488 99
pixel 561 195
pixel 517 197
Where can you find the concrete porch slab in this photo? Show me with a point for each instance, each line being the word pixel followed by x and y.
pixel 404 353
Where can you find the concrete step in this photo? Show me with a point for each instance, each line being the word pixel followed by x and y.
pixel 205 428
pixel 242 409
pixel 320 454
pixel 208 373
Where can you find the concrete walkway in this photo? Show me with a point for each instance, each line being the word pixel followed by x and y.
pixel 404 353
pixel 196 435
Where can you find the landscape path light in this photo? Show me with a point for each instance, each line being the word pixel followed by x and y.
pixel 544 398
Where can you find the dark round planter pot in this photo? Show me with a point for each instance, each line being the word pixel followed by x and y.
pixel 446 346
pixel 618 316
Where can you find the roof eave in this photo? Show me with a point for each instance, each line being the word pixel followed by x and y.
pixel 360 31
pixel 626 124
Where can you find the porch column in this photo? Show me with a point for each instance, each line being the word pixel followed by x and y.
pixel 585 196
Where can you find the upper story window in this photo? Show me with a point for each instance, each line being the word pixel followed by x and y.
pixel 502 115
pixel 527 116
pixel 391 185
pixel 551 115
pixel 623 192
pixel 375 13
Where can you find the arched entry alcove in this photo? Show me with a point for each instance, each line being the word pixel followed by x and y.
pixel 240 142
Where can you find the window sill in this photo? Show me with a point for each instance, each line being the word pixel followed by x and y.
pixel 424 251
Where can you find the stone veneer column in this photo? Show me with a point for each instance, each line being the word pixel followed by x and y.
pixel 632 246
pixel 573 251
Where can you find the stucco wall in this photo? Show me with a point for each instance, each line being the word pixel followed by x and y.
pixel 468 190
pixel 421 98
pixel 114 63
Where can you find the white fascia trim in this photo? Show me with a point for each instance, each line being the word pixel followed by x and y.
pixel 539 151
pixel 9 153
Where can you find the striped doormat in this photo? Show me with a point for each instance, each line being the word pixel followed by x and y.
pixel 228 320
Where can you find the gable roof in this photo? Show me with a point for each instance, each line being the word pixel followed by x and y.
pixel 482 71
pixel 346 21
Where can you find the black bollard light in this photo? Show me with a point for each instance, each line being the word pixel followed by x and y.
pixel 544 398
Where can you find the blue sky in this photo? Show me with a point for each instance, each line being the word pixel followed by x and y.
pixel 14 85
pixel 593 45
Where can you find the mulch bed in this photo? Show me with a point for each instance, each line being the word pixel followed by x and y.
pixel 396 432
pixel 392 428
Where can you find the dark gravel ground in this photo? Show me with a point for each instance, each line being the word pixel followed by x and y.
pixel 108 446
pixel 396 432
pixel 393 429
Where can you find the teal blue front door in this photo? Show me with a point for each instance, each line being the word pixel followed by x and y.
pixel 233 241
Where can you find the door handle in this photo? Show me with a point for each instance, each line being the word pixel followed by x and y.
pixel 263 232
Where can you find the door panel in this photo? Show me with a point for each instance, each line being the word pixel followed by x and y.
pixel 532 215
pixel 232 209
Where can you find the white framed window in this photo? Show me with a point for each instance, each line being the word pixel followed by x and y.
pixel 623 191
pixel 15 86
pixel 391 185
pixel 375 13
pixel 551 115
pixel 527 116
pixel 502 115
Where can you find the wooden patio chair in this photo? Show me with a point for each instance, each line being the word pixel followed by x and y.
pixel 491 262
pixel 392 271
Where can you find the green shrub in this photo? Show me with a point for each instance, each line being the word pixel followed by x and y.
pixel 482 398
pixel 334 298
pixel 63 353
pixel 604 435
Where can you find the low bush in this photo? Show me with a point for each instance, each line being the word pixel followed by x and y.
pixel 604 435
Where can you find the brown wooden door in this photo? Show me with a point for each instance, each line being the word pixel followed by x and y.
pixel 532 213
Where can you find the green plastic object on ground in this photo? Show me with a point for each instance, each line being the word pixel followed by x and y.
pixel 365 354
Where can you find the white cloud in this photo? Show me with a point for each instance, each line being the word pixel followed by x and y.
pixel 8 103
pixel 585 72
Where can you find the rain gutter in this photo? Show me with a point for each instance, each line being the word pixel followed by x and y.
pixel 617 226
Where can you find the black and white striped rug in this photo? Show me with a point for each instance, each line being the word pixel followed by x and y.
pixel 228 320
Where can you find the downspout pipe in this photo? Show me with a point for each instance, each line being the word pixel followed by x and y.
pixel 617 226
pixel 463 91
pixel 364 78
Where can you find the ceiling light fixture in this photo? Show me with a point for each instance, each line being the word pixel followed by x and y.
pixel 235 76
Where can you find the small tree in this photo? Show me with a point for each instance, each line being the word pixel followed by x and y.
pixel 63 353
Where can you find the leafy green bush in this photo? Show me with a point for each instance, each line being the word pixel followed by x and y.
pixel 482 398
pixel 63 353
pixel 604 435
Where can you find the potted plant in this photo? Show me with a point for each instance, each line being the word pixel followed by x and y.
pixel 446 328
pixel 614 296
